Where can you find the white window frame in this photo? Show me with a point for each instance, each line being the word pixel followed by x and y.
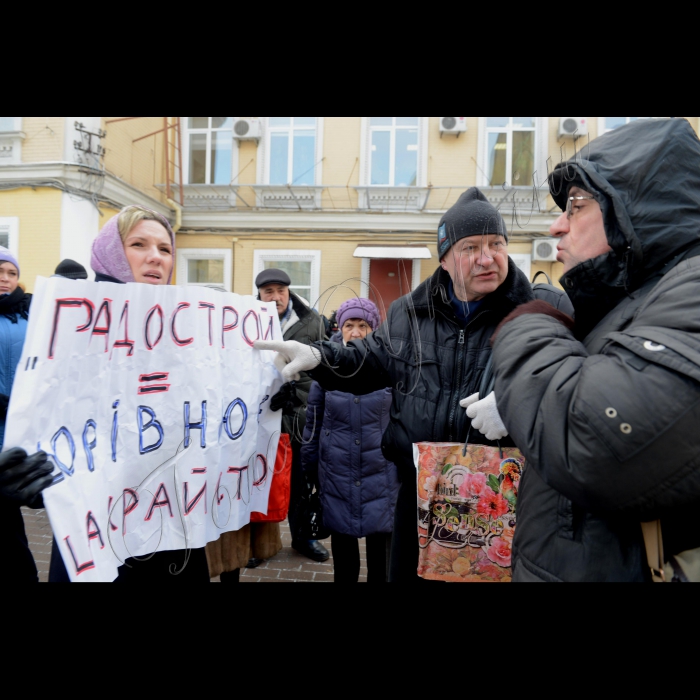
pixel 541 152
pixel 265 153
pixel 10 225
pixel 11 143
pixel 602 126
pixel 16 126
pixel 260 257
pixel 186 132
pixel 366 154
pixel 184 255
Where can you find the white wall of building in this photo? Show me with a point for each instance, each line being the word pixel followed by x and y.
pixel 80 222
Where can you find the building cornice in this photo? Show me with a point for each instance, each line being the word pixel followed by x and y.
pixel 348 222
pixel 97 185
pixel 81 181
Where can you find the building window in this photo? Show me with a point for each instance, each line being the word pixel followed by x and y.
pixel 291 151
pixel 10 123
pixel 9 234
pixel 510 151
pixel 611 123
pixel 209 152
pixel 394 144
pixel 302 266
pixel 205 267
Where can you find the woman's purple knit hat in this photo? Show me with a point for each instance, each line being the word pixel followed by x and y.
pixel 108 256
pixel 6 256
pixel 363 309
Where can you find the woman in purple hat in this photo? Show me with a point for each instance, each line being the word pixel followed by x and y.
pixel 343 445
pixel 138 245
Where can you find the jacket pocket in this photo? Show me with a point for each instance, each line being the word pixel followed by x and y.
pixel 639 390
pixel 569 520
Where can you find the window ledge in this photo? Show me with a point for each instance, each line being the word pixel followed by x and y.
pixel 524 198
pixel 293 197
pixel 209 197
pixel 381 198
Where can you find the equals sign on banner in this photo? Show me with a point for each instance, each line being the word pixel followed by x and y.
pixel 153 385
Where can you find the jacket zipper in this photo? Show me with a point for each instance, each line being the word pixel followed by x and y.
pixel 460 363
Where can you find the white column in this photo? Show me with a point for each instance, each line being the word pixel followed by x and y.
pixel 80 220
pixel 80 223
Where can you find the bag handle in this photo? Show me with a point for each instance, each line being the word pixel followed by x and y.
pixel 546 276
pixel 654 541
pixel 488 384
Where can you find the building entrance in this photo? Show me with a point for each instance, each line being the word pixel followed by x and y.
pixel 390 280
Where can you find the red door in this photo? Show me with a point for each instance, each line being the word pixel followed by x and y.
pixel 389 280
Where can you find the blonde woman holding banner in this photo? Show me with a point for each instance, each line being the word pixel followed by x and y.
pixel 138 245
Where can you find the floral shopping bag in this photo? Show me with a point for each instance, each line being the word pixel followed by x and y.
pixel 467 512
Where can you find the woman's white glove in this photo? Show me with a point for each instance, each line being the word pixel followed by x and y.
pixel 292 358
pixel 485 416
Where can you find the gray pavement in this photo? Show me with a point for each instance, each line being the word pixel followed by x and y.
pixel 286 567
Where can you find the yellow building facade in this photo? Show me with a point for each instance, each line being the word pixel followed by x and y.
pixel 347 205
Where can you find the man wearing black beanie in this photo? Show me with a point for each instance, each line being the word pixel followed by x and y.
pixel 433 351
pixel 71 270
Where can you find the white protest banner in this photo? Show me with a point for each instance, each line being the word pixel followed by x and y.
pixel 154 407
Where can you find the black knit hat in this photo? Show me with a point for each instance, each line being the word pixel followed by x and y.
pixel 473 215
pixel 71 270
pixel 273 277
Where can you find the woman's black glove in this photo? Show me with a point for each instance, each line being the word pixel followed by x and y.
pixel 4 403
pixel 23 478
pixel 287 399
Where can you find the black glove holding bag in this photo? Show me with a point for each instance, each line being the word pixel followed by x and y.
pixel 286 399
pixel 23 478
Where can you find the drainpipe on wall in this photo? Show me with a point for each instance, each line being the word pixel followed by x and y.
pixel 178 214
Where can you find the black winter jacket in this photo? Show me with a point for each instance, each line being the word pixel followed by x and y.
pixel 309 329
pixel 608 417
pixel 428 359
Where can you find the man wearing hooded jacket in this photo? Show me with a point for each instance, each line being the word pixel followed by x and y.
pixel 607 410
pixel 433 351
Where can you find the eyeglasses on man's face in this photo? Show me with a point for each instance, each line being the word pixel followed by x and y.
pixel 570 204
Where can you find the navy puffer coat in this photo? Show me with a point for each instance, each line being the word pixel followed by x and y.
pixel 343 441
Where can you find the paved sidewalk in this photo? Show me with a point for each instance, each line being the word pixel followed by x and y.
pixel 290 567
pixel 40 537
pixel 286 567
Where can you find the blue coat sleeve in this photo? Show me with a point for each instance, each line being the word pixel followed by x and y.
pixel 316 408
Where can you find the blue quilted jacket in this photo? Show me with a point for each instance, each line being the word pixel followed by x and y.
pixel 12 337
pixel 343 441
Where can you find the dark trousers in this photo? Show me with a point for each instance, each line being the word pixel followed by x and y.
pixel 231 576
pixel 298 491
pixel 346 558
pixel 17 561
pixel 158 569
pixel 162 567
pixel 403 567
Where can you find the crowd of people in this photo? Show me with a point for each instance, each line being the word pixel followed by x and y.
pixel 598 385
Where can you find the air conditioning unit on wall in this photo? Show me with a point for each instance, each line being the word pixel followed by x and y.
pixel 573 127
pixel 453 125
pixel 545 250
pixel 247 130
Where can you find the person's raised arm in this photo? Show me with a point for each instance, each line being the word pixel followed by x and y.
pixel 361 368
pixel 609 431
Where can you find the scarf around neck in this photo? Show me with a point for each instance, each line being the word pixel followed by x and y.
pixel 15 304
